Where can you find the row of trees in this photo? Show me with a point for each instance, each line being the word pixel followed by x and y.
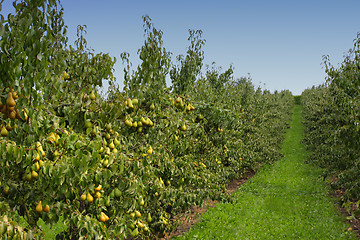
pixel 75 165
pixel 332 119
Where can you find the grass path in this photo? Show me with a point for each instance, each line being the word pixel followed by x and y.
pixel 286 200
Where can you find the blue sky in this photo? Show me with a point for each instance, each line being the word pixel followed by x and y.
pixel 280 43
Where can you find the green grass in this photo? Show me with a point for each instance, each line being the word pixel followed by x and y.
pixel 287 200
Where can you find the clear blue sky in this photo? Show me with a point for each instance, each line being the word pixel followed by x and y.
pixel 279 42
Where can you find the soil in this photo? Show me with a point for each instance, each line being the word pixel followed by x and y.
pixel 187 219
pixel 354 221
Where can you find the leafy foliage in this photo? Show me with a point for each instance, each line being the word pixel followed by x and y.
pixel 332 114
pixel 124 165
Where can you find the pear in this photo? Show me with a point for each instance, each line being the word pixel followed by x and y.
pixel 135 232
pixel 128 123
pixel 4 132
pixel 135 101
pixel 143 121
pixel 8 127
pixel 12 114
pixel 46 208
pixel 92 96
pixel 6 190
pixel 34 175
pixel 15 95
pixel 137 214
pixel 26 114
pixel 107 136
pixel 89 198
pixel 97 195
pixel 116 142
pixel 39 207
pixel 37 166
pixel 150 150
pixel 83 197
pixel 183 127
pixel 103 217
pixel 130 104
pixel 142 202
pixel 101 150
pixel 107 151
pixel 117 192
pixel 151 123
pixel 10 102
pixel 139 130
pixel 28 177
pixel 17 114
pixel 140 124
pixel 37 158
pixel 149 219
pixel 152 106
pixel 98 188
pixel 88 124
pixel 140 224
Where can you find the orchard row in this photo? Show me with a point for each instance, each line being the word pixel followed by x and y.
pixel 125 164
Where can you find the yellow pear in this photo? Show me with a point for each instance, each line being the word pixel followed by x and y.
pixel 92 96
pixel 183 127
pixel 98 188
pixel 83 197
pixel 4 132
pixel 102 218
pixel 89 198
pixel 128 123
pixel 112 145
pixel 37 157
pixel 46 208
pixel 15 95
pixel 37 166
pixel 130 104
pixel 150 150
pixel 97 195
pixel 39 207
pixel 10 100
pixel 34 174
